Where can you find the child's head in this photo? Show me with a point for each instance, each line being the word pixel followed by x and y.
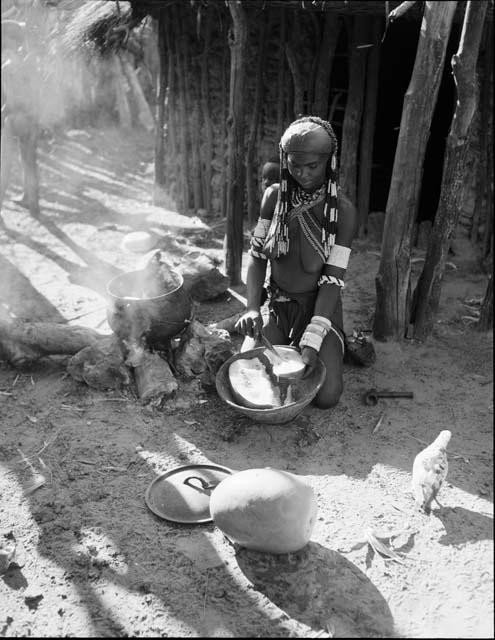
pixel 270 173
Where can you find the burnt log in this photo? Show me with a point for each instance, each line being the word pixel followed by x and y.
pixel 22 343
pixel 227 324
pixel 153 376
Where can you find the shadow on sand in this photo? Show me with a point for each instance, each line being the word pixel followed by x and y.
pixel 320 588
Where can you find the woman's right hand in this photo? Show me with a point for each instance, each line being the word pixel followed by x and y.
pixel 250 324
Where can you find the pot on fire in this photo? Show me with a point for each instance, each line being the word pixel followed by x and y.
pixel 141 306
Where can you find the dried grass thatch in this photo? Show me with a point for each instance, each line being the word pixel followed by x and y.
pixel 99 27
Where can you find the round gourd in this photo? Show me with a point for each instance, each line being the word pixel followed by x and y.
pixel 265 510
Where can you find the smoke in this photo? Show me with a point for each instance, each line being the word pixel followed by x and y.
pixel 39 75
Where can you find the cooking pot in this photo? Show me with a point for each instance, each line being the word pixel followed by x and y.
pixel 133 315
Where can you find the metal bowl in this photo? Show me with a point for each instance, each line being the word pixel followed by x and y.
pixel 285 376
pixel 304 390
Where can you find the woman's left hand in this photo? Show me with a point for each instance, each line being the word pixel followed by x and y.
pixel 310 358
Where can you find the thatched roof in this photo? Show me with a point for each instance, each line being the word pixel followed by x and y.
pixel 98 27
pixel 103 26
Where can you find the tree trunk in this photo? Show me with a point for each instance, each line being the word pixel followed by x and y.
pixel 121 88
pixel 205 106
pixel 160 181
pixel 393 278
pixel 427 294
pixel 368 129
pixel 485 323
pixel 251 183
pixel 353 109
pixel 236 168
pixel 144 115
pixel 281 74
pixel 325 62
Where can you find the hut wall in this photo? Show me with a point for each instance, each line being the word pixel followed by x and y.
pixel 283 97
pixel 290 87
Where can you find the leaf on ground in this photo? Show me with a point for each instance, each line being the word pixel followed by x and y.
pixel 380 548
pixel 38 482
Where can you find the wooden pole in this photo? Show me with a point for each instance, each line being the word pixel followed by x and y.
pixel 251 183
pixel 368 128
pixel 191 119
pixel 393 279
pixel 353 109
pixel 236 165
pixel 184 171
pixel 224 134
pixel 427 294
pixel 295 68
pixel 205 107
pixel 159 180
pixel 485 323
pixel 316 37
pixel 482 144
pixel 325 62
pixel 488 233
pixel 281 74
pixel 172 150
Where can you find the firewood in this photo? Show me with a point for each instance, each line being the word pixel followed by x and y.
pixel 22 343
pixel 154 379
pixel 228 324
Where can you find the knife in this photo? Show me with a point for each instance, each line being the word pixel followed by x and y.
pixel 269 346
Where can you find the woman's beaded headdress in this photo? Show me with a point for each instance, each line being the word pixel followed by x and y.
pixel 303 135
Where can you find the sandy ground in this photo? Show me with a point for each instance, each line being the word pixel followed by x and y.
pixel 92 560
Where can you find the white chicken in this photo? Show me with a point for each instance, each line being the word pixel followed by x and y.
pixel 430 470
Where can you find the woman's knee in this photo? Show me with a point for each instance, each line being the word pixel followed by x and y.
pixel 329 395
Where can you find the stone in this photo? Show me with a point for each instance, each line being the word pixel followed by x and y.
pixel 100 366
pixel 202 278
